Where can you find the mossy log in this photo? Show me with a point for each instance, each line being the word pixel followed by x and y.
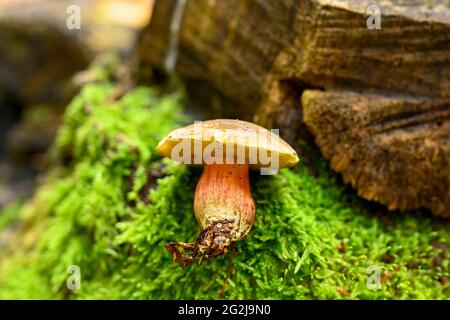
pixel 254 60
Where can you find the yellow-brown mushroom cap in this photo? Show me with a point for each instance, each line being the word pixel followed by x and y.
pixel 230 134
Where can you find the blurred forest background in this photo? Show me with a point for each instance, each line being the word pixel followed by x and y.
pixel 41 64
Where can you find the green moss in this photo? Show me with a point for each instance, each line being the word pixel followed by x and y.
pixel 101 209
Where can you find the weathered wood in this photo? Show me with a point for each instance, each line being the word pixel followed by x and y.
pixel 253 59
pixel 392 150
pixel 244 47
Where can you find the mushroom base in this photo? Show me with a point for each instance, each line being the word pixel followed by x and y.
pixel 212 242
pixel 225 210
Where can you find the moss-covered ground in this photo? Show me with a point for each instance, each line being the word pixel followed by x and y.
pixel 110 204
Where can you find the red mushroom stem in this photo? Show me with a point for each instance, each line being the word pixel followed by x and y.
pixel 225 209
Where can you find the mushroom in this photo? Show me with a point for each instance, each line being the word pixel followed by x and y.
pixel 223 202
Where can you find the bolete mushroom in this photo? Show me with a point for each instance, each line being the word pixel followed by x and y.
pixel 223 203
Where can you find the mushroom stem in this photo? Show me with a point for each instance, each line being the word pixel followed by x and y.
pixel 225 209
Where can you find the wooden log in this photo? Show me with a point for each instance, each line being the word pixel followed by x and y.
pixel 395 151
pixel 255 59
